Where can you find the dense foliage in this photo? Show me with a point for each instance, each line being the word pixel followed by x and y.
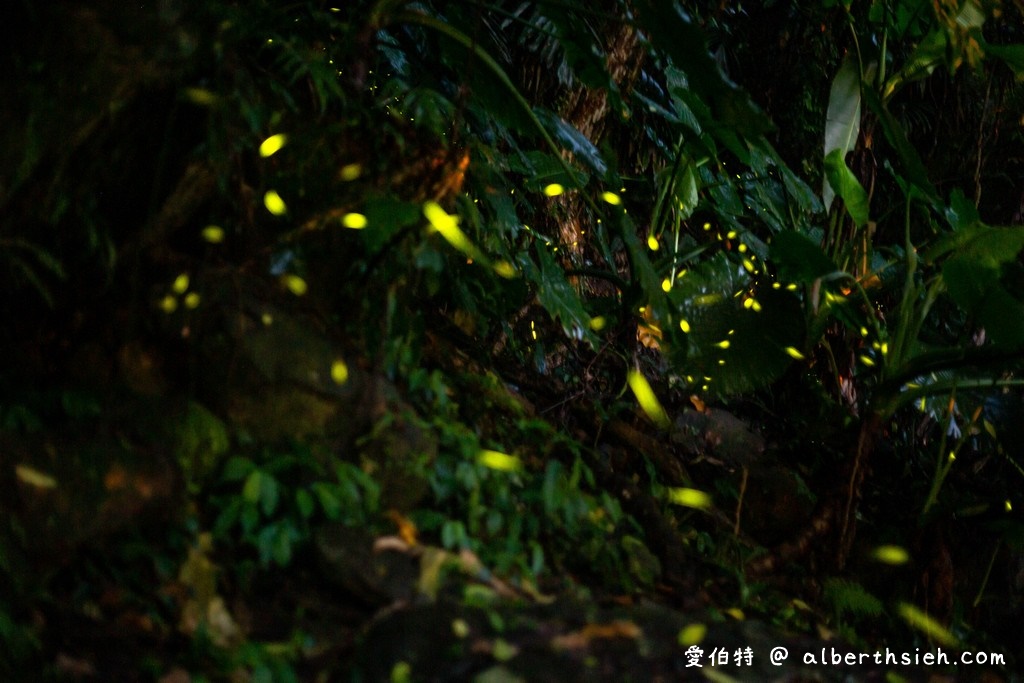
pixel 332 330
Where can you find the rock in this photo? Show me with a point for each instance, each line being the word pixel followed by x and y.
pixel 717 434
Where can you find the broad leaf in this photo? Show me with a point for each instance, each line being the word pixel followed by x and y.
pixel 846 185
pixel 573 140
pixel 1013 55
pixel 385 217
pixel 556 295
pixel 733 347
pixel 842 121
pixel 973 278
pixel 799 259
pixel 674 32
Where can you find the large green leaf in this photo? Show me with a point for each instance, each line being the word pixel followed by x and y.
pixel 573 140
pixel 677 35
pixel 842 121
pixel 799 259
pixel 846 185
pixel 541 169
pixel 385 218
pixel 556 295
pixel 734 347
pixel 973 277
pixel 1013 55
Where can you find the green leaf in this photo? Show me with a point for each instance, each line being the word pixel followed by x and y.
pixel 973 277
pixel 268 494
pixel 842 121
pixel 799 259
pixel 385 217
pixel 573 140
pixel 556 295
pixel 846 185
pixel 253 486
pixel 282 550
pixel 329 501
pixel 1013 55
pixel 738 348
pixel 672 31
pixel 541 169
pixel 305 503
pixel 1002 316
pixel 961 212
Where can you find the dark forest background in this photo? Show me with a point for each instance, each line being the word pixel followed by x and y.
pixel 498 341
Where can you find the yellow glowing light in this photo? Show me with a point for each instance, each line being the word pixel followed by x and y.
pixel 724 344
pixel 926 624
pixel 597 324
pixel 496 460
pixel 168 304
pixel 273 144
pixel 356 221
pixel 295 284
pixel 891 554
pixel 692 634
pixel 652 243
pixel 339 371
pixel 793 353
pixel 34 477
pixel 448 226
pixel 707 226
pixel 553 190
pixel 684 326
pixel 275 205
pixel 691 498
pixel 611 198
pixel 180 284
pixel 742 248
pixel 214 234
pixel 505 269
pixel 350 171
pixel 200 96
pixel 192 300
pixel 707 299
pixel 666 285
pixel 645 397
pixel 866 360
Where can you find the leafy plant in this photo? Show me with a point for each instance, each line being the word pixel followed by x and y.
pixel 272 501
